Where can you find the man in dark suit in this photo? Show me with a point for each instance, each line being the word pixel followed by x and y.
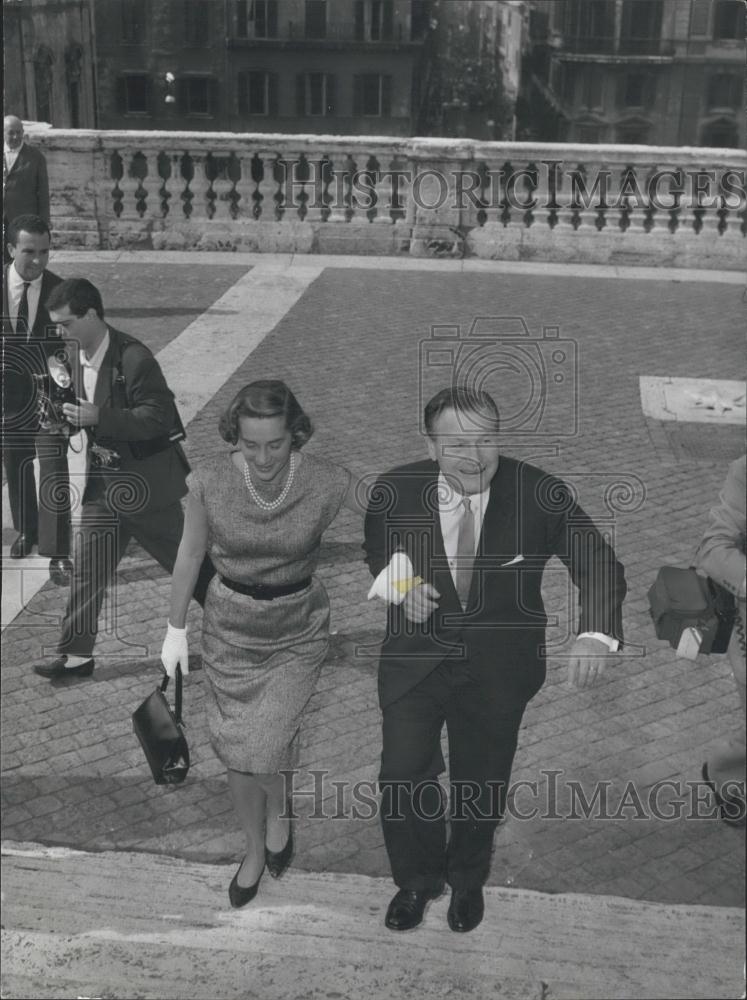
pixel 465 645
pixel 29 337
pixel 25 182
pixel 136 467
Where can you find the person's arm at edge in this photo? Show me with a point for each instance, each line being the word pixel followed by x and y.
pixel 192 548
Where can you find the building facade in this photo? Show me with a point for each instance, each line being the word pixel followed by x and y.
pixel 49 71
pixel 319 66
pixel 664 72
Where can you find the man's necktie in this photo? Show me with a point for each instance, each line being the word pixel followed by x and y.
pixel 465 552
pixel 22 319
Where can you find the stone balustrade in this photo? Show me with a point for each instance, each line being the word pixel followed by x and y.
pixel 640 205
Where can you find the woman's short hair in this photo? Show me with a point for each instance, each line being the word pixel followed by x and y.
pixel 462 399
pixel 266 398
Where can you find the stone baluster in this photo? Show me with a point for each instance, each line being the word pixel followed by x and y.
pixel 203 196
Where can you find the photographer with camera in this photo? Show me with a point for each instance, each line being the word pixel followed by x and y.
pixel 136 468
pixel 29 340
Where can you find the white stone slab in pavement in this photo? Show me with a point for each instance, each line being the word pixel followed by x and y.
pixel 124 925
pixel 693 400
pixel 196 364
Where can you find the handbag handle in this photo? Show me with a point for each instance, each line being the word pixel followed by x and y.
pixel 177 693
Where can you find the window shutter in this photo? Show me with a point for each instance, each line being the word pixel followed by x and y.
pixel 182 95
pixel 272 94
pixel 357 95
pixel 213 96
pixel 272 19
pixel 331 108
pixel 241 16
pixel 387 28
pixel 242 87
pixel 121 95
pixel 301 94
pixel 700 17
pixel 149 103
pixel 650 89
pixel 359 22
pixel 386 96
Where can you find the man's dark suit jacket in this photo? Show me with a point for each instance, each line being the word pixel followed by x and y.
pixel 502 631
pixel 23 359
pixel 136 409
pixel 27 186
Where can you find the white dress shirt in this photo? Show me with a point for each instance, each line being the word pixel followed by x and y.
pixel 9 157
pixel 91 367
pixel 15 290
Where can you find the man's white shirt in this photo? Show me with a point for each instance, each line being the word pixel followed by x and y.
pixel 91 367
pixel 15 291
pixel 10 156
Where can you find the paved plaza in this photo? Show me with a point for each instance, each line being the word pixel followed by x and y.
pixel 351 338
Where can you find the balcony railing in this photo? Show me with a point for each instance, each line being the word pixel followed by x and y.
pixel 437 197
pixel 618 45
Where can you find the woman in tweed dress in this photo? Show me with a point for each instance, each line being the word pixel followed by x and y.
pixel 260 512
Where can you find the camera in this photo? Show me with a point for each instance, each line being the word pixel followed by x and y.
pixel 104 458
pixel 54 389
pixel 534 380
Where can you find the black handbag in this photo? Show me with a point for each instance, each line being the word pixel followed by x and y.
pixel 161 734
pixel 682 601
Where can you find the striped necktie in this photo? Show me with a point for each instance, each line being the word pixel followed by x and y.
pixel 465 552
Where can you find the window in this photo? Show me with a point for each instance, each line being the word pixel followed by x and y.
pixel 133 21
pixel 372 95
pixel 374 20
pixel 593 87
pixel 728 20
pixel 699 17
pixel 315 94
pixel 134 94
pixel 588 133
pixel 257 93
pixel 633 133
pixel 197 23
pixel 257 18
pixel 196 95
pixel 73 72
pixel 641 27
pixel 725 91
pixel 638 90
pixel 722 134
pixel 43 84
pixel 316 18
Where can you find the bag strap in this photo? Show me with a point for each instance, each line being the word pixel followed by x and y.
pixel 177 693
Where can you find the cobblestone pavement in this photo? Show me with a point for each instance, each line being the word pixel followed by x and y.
pixel 72 772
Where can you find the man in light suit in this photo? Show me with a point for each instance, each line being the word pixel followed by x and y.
pixel 25 182
pixel 465 646
pixel 28 338
pixel 136 467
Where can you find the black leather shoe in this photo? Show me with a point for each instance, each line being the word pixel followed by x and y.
pixel 278 861
pixel 466 909
pixel 731 810
pixel 57 669
pixel 407 908
pixel 237 894
pixel 60 571
pixel 22 547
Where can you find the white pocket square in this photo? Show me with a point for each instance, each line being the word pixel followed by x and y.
pixel 512 562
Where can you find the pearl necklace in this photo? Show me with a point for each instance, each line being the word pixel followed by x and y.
pixel 270 504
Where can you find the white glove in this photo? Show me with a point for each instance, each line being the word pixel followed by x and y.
pixel 175 651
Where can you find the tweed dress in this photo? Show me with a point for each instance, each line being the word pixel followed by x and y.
pixel 262 658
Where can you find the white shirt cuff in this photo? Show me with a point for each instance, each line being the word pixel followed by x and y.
pixel 608 640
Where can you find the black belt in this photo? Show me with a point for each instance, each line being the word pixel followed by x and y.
pixel 266 591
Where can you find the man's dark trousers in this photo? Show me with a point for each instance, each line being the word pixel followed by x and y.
pixel 48 519
pixel 99 542
pixel 482 728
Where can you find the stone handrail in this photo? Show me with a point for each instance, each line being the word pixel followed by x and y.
pixel 648 205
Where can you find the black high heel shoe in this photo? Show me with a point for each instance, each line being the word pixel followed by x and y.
pixel 277 861
pixel 237 894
